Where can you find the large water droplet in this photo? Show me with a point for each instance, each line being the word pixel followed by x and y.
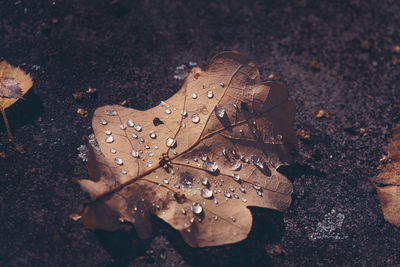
pixel 186 180
pixel 153 135
pixel 210 94
pixel 170 142
pixel 130 123
pixel 110 139
pixel 138 128
pixel 110 112
pixel 196 208
pixel 135 153
pixel 210 166
pixel 219 111
pixel 118 161
pixel 206 193
pixel 194 95
pixel 235 166
pixel 195 118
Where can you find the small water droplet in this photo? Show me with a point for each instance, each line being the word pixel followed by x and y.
pixel 210 94
pixel 110 112
pixel 165 181
pixel 142 140
pixel 138 128
pixel 135 136
pixel 183 211
pixel 215 202
pixel 108 132
pixel 206 193
pixel 241 188
pixel 110 139
pixel 130 123
pixel 210 166
pixel 134 153
pixel 196 208
pixel 175 153
pixel 222 84
pixel 233 219
pixel 149 164
pixel 194 95
pixel 155 147
pixel 124 171
pixel 227 194
pixel 168 111
pixel 151 154
pixel 235 196
pixel 231 189
pixel 235 166
pixel 256 186
pixel 118 161
pixel 195 159
pixel 204 180
pixel 259 192
pixel 191 218
pixel 184 113
pixel 216 217
pixel 103 122
pixel 236 177
pixel 170 142
pixel 257 161
pixel 195 118
pixel 244 200
pixel 147 146
pixel 122 126
pixel 112 150
pixel 177 185
pixel 153 135
pixel 219 111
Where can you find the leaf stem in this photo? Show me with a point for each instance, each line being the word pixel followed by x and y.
pixel 10 136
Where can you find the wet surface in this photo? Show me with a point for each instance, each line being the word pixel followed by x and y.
pixel 336 56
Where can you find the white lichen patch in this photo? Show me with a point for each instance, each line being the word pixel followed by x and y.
pixel 83 150
pixel 330 227
pixel 183 70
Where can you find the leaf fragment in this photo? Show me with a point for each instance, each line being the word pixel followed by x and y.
pixel 387 183
pixel 198 170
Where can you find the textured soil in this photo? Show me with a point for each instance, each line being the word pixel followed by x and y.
pixel 129 50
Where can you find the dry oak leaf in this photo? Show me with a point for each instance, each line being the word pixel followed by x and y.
pixel 14 83
pixel 387 183
pixel 222 138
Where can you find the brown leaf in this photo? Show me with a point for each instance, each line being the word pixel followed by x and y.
pixel 83 112
pixel 222 138
pixel 14 83
pixel 388 181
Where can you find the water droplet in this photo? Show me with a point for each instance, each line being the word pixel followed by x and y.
pixel 130 123
pixel 215 202
pixel 175 153
pixel 210 166
pixel 195 159
pixel 110 112
pixel 234 166
pixel 138 128
pixel 165 181
pixel 191 218
pixel 259 192
pixel 168 111
pixel 210 94
pixel 134 153
pixel 183 211
pixel 153 135
pixel 103 122
pixel 236 177
pixel 149 164
pixel 241 188
pixel 244 200
pixel 112 150
pixel 118 161
pixel 204 180
pixel 231 189
pixel 235 196
pixel 124 172
pixel 219 111
pixel 147 146
pixel 206 193
pixel 163 103
pixel 170 142
pixel 216 217
pixel 142 140
pixel 108 132
pixel 227 194
pixel 155 147
pixel 196 208
pixel 110 139
pixel 194 95
pixel 222 84
pixel 195 118
pixel 184 113
pixel 257 186
pixel 177 185
pixel 186 180
pixel 122 126
pixel 233 219
pixel 151 154
pixel 257 161
pixel 134 136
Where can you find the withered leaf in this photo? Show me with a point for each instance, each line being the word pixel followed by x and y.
pixel 223 137
pixel 14 83
pixel 387 183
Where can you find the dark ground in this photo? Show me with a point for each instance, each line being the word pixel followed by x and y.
pixel 130 50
